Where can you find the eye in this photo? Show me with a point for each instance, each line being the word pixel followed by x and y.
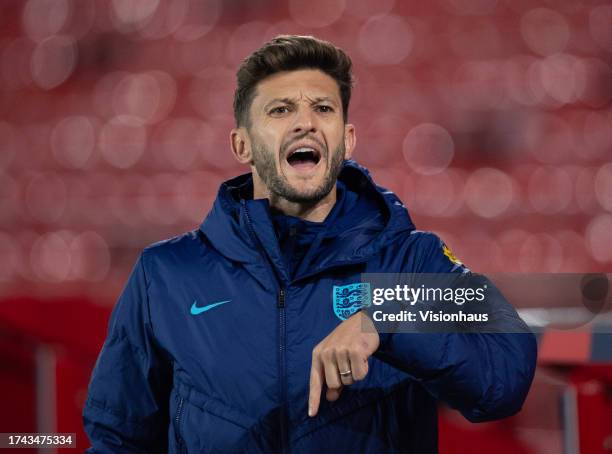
pixel 324 109
pixel 279 110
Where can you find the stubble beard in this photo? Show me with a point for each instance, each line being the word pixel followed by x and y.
pixel 277 184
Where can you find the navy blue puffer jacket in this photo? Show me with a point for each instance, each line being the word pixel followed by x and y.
pixel 209 346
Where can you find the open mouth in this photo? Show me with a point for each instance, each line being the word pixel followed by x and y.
pixel 304 157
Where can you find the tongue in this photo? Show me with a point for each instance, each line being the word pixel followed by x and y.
pixel 303 164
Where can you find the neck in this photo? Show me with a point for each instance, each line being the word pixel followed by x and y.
pixel 314 212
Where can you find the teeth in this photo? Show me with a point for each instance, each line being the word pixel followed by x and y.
pixel 304 150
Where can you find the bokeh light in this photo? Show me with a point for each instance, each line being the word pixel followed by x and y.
pixel 516 74
pixel 199 18
pixel 50 256
pixel 489 192
pixel 73 140
pixel 128 15
pixel 316 13
pixel 165 20
pixel 45 18
pixel 90 257
pixel 385 39
pixel 563 77
pixel 599 238
pixel 137 95
pixel 148 96
pixel 53 60
pixel 428 148
pixel 545 31
pixel 122 141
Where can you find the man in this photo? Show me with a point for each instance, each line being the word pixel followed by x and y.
pixel 225 338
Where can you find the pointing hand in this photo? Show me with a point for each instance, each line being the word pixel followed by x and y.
pixel 341 358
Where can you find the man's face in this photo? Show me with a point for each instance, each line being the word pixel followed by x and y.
pixel 297 134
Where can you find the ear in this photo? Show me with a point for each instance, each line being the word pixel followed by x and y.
pixel 241 145
pixel 350 140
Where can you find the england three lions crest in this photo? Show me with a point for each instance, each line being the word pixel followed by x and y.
pixel 348 299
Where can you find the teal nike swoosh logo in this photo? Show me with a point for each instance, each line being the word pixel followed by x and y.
pixel 195 310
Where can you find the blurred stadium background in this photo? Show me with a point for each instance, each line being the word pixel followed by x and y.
pixel 491 119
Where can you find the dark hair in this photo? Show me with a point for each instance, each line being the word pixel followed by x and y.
pixel 289 53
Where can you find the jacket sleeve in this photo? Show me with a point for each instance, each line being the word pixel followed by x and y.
pixel 126 410
pixel 484 375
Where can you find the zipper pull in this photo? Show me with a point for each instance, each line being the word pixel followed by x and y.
pixel 281 298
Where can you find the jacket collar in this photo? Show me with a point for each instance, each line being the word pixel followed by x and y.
pixel 241 228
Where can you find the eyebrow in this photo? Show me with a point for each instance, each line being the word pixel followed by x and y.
pixel 292 101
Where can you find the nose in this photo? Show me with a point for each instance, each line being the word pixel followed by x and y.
pixel 304 121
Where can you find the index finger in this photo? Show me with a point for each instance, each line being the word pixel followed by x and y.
pixel 316 386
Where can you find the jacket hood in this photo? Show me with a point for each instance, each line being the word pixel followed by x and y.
pixel 241 228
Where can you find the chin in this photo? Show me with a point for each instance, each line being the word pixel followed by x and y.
pixel 307 190
pixel 306 195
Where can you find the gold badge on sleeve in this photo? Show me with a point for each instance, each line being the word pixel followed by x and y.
pixel 450 255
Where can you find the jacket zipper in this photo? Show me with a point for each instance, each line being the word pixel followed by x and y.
pixel 177 420
pixel 281 331
pixel 281 348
